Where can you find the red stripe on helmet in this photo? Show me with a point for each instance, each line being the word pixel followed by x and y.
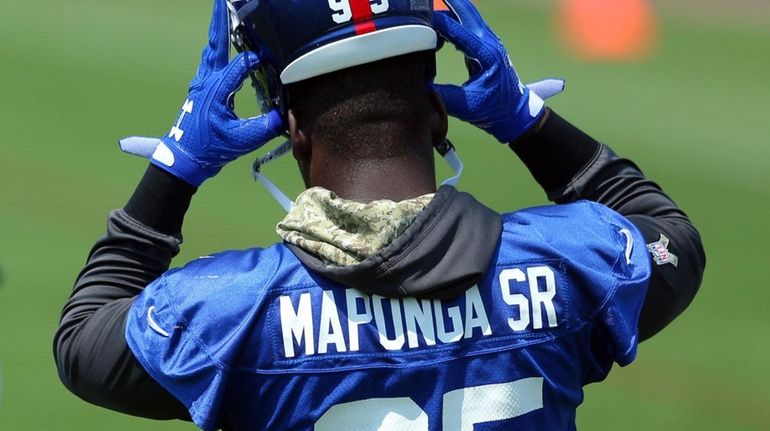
pixel 365 27
pixel 362 16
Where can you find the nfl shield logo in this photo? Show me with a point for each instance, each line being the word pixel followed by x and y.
pixel 660 253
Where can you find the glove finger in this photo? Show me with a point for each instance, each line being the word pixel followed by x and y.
pixel 252 133
pixel 216 53
pixel 469 17
pixel 547 88
pixel 236 72
pixel 455 99
pixel 139 146
pixel 463 39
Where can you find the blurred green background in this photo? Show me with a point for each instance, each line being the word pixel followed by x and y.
pixel 76 75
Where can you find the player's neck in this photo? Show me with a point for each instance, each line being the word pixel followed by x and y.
pixel 391 178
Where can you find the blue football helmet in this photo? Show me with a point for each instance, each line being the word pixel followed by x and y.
pixel 302 39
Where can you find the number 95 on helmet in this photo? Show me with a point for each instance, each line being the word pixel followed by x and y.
pixel 302 39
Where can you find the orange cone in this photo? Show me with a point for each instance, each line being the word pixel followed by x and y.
pixel 616 30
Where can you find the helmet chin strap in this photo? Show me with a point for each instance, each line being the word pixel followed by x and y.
pixel 256 171
pixel 446 150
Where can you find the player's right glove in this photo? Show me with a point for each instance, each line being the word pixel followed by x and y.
pixel 493 99
pixel 207 134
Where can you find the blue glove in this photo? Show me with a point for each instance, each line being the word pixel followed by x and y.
pixel 493 99
pixel 207 134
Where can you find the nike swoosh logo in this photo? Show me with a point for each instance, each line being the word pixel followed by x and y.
pixel 629 244
pixel 154 325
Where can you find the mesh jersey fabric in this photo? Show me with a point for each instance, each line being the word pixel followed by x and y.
pixel 255 339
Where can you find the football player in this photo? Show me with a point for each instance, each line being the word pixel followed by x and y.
pixel 391 303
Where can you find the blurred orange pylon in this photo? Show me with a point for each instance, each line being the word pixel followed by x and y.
pixel 619 30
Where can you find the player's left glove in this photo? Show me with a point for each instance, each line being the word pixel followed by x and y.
pixel 493 99
pixel 207 134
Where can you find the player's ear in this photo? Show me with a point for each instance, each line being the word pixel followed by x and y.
pixel 300 144
pixel 439 119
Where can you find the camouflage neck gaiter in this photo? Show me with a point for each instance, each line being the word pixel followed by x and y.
pixel 343 232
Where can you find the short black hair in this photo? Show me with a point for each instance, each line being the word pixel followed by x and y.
pixel 370 111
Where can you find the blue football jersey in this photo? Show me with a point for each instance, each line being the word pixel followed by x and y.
pixel 254 337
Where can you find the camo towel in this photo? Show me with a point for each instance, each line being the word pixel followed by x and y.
pixel 343 232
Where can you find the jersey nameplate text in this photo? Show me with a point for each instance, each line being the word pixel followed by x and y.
pixel 349 320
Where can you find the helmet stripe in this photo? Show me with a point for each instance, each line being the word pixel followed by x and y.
pixel 362 16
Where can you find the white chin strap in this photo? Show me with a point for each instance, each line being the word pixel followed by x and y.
pixel 447 151
pixel 455 164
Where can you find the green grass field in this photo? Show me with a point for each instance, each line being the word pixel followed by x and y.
pixel 76 75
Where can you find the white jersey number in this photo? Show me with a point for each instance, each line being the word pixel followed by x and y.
pixel 344 13
pixel 379 6
pixel 463 408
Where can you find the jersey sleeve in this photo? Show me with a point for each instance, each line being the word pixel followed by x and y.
pixel 174 356
pixel 615 320
pixel 187 328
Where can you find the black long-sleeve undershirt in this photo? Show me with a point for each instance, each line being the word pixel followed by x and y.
pixel 570 165
pixel 94 360
pixel 90 349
